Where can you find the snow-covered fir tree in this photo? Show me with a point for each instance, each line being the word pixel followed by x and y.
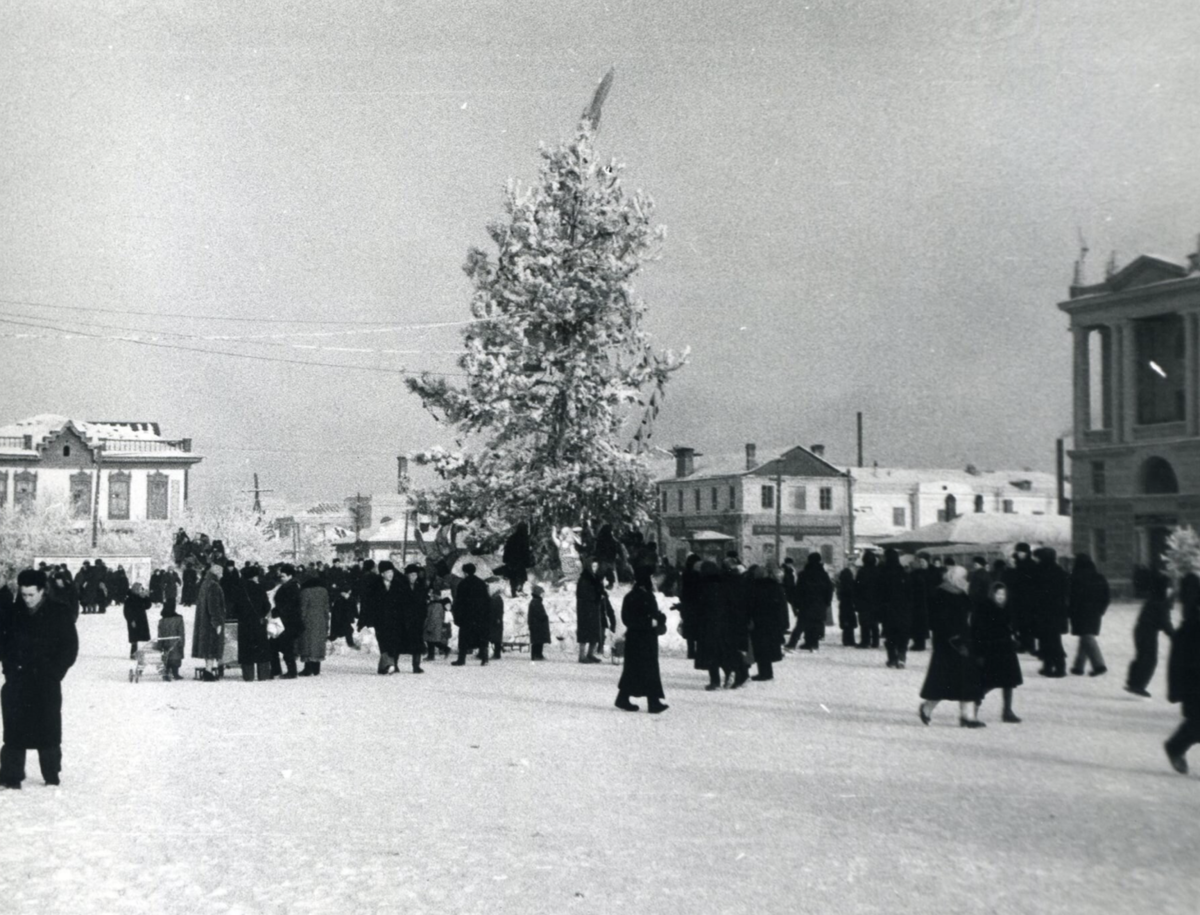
pixel 562 381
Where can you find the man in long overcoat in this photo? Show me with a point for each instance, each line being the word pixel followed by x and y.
pixel 412 598
pixel 38 645
pixel 208 634
pixel 470 612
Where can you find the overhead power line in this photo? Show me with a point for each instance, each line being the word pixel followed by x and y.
pixel 379 325
pixel 227 353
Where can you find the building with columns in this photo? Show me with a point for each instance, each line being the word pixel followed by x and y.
pixel 1136 461
pixel 127 472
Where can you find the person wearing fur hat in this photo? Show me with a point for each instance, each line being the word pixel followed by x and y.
pixel 470 612
pixel 1051 614
pixel 867 600
pixel 1020 579
pixel 953 672
pixel 539 624
pixel 386 618
pixel 412 599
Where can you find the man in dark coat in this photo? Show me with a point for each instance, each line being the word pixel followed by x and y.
pixel 845 597
pixel 1088 600
pixel 287 610
pixel 1051 587
pixel 1022 598
pixel 38 645
pixel 412 601
pixel 1183 675
pixel 470 612
pixel 921 582
pixel 768 610
pixel 896 592
pixel 254 650
pixel 868 601
pixel 814 592
pixel 735 598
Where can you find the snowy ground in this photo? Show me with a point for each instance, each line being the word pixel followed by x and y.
pixel 518 788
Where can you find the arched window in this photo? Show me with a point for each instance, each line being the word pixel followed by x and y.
pixel 66 450
pixel 1157 477
pixel 951 508
pixel 979 505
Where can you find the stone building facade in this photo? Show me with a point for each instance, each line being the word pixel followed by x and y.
pixel 1136 461
pixel 736 503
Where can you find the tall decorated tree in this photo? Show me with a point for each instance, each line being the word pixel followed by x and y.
pixel 562 382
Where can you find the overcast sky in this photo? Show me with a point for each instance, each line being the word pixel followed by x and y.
pixel 870 206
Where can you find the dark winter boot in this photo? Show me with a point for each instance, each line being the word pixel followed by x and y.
pixel 316 668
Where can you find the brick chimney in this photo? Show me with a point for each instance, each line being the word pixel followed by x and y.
pixel 751 456
pixel 186 445
pixel 685 461
pixel 818 450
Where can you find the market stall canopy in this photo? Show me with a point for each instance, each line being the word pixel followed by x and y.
pixel 985 529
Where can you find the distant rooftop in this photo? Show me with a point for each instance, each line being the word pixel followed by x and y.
pixel 117 436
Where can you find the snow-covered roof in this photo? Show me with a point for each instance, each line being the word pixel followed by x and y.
pixel 797 461
pixel 121 437
pixel 1016 480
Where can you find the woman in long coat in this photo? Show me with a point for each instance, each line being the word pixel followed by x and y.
pixel 588 623
pixel 1051 588
pixel 642 618
pixel 1088 599
pixel 953 673
pixel 995 647
pixel 208 635
pixel 518 558
pixel 314 611
pixel 136 605
pixel 768 610
pixel 253 609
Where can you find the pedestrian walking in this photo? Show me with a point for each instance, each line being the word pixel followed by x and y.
pixel 644 623
pixel 953 673
pixel 1022 597
pixel 1087 601
pixel 995 648
pixel 1183 675
pixel 814 593
pixel 1154 617
pixel 38 645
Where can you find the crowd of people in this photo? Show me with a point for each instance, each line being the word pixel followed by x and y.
pixel 974 622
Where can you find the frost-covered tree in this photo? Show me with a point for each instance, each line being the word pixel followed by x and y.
pixel 562 381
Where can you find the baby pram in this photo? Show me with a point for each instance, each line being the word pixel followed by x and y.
pixel 150 655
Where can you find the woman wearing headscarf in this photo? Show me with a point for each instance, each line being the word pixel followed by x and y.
pixel 1088 599
pixel 995 647
pixel 953 673
pixel 644 622
pixel 768 609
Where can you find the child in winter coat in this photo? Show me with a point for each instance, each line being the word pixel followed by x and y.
pixel 539 625
pixel 171 625
pixel 1183 675
pixel 1155 617
pixel 437 630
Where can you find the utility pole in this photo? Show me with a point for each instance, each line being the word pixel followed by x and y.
pixel 258 491
pixel 779 516
pixel 860 443
pixel 96 499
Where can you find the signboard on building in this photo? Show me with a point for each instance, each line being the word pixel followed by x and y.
pixel 798 530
